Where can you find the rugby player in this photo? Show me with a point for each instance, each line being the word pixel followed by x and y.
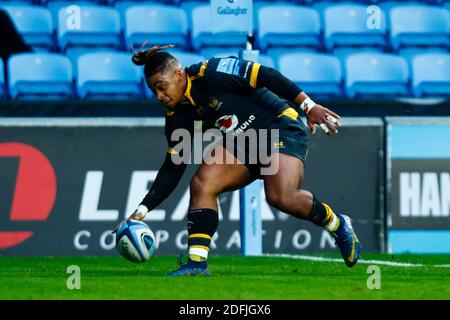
pixel 236 90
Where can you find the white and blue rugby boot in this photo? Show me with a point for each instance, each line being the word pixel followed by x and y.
pixel 191 268
pixel 347 241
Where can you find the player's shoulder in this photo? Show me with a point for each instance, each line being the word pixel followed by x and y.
pixel 231 65
pixel 212 65
pixel 224 64
pixel 195 69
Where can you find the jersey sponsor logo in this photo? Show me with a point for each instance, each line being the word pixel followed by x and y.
pixel 227 123
pixel 245 125
pixel 228 65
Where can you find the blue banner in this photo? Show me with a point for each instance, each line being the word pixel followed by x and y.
pixel 418 185
pixel 419 141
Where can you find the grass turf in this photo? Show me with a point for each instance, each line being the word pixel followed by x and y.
pixel 234 278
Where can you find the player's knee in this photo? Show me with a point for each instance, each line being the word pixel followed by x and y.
pixel 278 199
pixel 200 186
pixel 197 185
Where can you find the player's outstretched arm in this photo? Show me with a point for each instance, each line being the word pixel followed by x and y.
pixel 276 82
pixel 233 73
pixel 168 177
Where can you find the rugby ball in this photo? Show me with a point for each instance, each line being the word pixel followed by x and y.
pixel 135 241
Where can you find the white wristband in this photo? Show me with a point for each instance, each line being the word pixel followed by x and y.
pixel 142 209
pixel 307 105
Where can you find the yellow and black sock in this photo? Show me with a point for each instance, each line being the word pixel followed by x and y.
pixel 202 224
pixel 322 215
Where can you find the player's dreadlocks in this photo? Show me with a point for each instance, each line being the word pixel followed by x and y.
pixel 154 59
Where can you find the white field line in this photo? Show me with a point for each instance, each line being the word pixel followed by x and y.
pixel 380 262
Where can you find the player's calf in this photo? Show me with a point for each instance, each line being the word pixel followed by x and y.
pixel 340 227
pixel 201 225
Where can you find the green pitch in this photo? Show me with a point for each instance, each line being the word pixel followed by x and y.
pixel 234 277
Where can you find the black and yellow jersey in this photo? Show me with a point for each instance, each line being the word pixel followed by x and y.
pixel 231 88
pixel 231 95
pixel 183 117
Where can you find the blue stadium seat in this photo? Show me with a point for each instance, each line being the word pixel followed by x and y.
pixel 320 6
pixel 288 25
pixel 187 58
pixel 15 2
pixel 108 75
pixel 74 53
pixel 347 25
pixel 40 76
pixel 50 2
pixel 343 52
pixel 276 53
pixel 220 52
pixel 56 5
pixel 188 6
pixel 376 74
pixel 157 24
pixel 100 27
pixel 122 6
pixel 2 80
pixel 410 52
pixel 431 75
pixel 353 1
pixel 317 74
pixel 138 2
pixel 186 2
pixel 266 60
pixel 419 26
pixel 387 5
pixel 258 4
pixel 34 24
pixel 202 35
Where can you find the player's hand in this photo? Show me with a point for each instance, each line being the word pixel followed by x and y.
pixel 325 118
pixel 136 215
